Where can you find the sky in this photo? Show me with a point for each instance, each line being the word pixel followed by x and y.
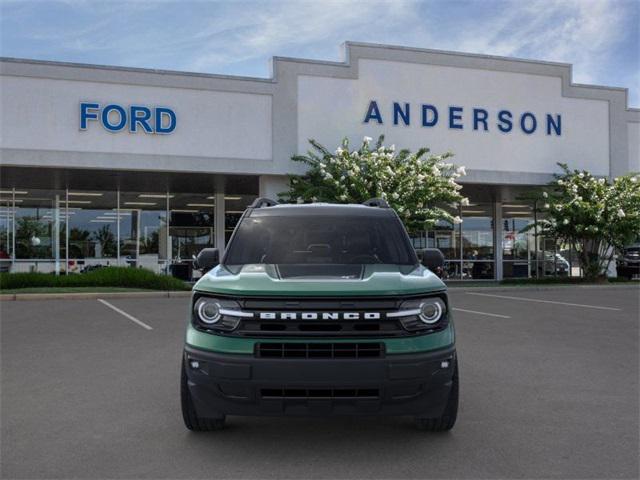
pixel 601 38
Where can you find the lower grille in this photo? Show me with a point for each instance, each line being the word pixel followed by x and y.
pixel 319 350
pixel 312 393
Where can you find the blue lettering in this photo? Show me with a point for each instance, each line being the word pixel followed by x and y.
pixel 399 112
pixel 455 113
pixel 480 116
pixel 86 114
pixel 105 118
pixel 556 125
pixel 373 112
pixel 425 115
pixel 162 112
pixel 505 124
pixel 523 123
pixel 139 115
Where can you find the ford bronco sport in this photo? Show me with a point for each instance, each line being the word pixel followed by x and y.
pixel 319 309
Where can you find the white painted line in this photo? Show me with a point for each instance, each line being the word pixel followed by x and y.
pixel 125 314
pixel 524 299
pixel 481 313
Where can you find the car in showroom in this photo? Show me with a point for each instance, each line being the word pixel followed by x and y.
pixel 320 309
pixel 628 262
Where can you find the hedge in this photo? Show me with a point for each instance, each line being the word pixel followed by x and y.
pixel 102 277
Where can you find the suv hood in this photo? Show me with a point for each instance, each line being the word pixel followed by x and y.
pixel 274 280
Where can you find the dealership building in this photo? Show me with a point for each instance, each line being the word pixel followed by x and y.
pixel 105 165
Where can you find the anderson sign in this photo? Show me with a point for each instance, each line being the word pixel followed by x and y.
pixel 461 118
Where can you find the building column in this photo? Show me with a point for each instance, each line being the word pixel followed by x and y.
pixel 219 219
pixel 271 185
pixel 497 238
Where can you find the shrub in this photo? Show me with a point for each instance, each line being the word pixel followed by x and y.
pixel 417 185
pixel 125 277
pixel 593 215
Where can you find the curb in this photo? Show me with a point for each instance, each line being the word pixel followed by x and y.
pixel 92 295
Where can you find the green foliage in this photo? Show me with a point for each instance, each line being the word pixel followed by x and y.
pixel 102 277
pixel 595 216
pixel 417 185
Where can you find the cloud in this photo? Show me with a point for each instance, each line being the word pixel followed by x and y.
pixel 599 37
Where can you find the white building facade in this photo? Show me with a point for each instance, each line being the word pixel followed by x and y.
pixel 119 166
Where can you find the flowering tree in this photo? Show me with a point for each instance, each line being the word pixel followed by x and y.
pixel 416 185
pixel 593 215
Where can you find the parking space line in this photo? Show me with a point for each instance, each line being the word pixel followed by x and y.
pixel 125 314
pixel 524 299
pixel 481 313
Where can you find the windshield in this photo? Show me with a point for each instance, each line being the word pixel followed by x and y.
pixel 319 239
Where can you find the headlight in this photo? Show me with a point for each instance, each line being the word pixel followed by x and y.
pixel 212 313
pixel 421 314
pixel 431 310
pixel 208 310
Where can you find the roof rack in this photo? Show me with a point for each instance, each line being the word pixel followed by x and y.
pixel 376 202
pixel 263 202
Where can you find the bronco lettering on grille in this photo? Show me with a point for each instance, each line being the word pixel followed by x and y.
pixel 320 315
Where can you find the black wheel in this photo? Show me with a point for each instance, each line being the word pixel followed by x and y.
pixel 448 418
pixel 191 419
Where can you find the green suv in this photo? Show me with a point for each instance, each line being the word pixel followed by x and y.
pixel 319 309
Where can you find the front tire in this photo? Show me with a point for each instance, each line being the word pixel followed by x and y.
pixel 448 418
pixel 191 419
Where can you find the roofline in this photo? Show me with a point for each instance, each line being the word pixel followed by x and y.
pixel 347 46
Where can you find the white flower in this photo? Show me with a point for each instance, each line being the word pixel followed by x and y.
pixel 601 181
pixel 565 221
pixel 560 182
pixel 634 179
pixel 328 176
pixel 621 213
pixel 464 202
pixel 367 139
pixel 395 195
pixel 545 194
pixel 339 151
pixel 299 200
pixel 457 220
pixel 343 197
pixel 392 148
pixel 546 205
pixel 581 175
pixel 461 170
pixel 314 199
pixel 558 207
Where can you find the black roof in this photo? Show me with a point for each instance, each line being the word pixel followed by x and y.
pixel 328 209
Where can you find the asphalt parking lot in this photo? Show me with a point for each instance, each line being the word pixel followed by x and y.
pixel 549 389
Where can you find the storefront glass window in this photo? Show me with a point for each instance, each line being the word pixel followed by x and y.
pixel 477 242
pixel 6 229
pixel 144 217
pixel 192 228
pixel 234 207
pixel 38 223
pixel 518 240
pixel 92 230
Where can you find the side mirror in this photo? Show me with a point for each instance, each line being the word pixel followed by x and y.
pixel 207 259
pixel 433 259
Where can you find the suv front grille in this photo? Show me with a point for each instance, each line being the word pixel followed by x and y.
pixel 319 350
pixel 312 393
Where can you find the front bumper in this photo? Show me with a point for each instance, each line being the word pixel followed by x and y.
pixel 407 384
